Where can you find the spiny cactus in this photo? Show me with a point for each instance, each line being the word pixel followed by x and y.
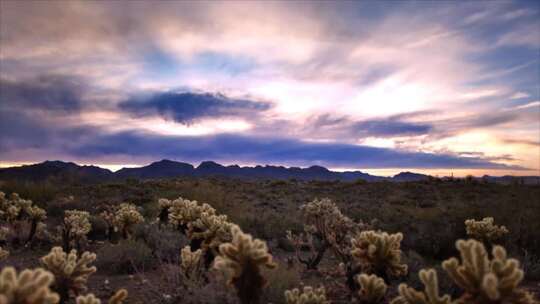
pixel 126 217
pixel 183 211
pixel 430 295
pixel 3 254
pixel 308 295
pixel 486 281
pixel 28 287
pixel 379 253
pixel 325 227
pixel 4 234
pixel 164 205
pixel 108 217
pixel 191 265
pixel 71 272
pixel 118 298
pixel 75 228
pixel 485 230
pixel 372 289
pixel 14 211
pixel 241 261
pixel 36 216
pixel 212 230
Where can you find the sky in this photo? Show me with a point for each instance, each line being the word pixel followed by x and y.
pixel 382 87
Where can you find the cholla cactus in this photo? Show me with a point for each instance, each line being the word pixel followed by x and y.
pixel 212 231
pixel 36 216
pixel 182 212
pixel 241 261
pixel 486 281
pixel 485 230
pixel 3 254
pixel 372 289
pixel 191 265
pixel 126 217
pixel 430 295
pixel 325 227
pixel 164 205
pixel 118 298
pixel 15 210
pixel 108 217
pixel 76 227
pixel 4 234
pixel 29 287
pixel 379 253
pixel 307 296
pixel 71 272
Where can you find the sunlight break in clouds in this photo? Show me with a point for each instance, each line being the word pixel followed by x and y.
pixel 424 81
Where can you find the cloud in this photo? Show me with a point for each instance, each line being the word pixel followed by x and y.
pixel 519 95
pixel 342 126
pixel 534 143
pixel 232 148
pixel 52 93
pixel 187 107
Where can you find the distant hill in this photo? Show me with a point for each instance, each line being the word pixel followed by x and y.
pixel 168 169
pixel 55 169
pixel 410 177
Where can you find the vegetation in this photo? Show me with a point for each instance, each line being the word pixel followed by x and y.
pixel 272 241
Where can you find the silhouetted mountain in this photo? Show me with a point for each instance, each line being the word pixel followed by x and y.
pixel 56 169
pixel 409 177
pixel 168 168
pixel 160 169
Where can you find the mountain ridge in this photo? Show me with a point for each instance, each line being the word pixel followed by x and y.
pixel 169 168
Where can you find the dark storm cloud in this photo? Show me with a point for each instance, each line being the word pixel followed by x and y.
pixel 228 147
pixel 55 93
pixel 187 107
pixel 383 127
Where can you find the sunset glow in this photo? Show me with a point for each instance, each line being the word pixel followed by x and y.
pixel 435 87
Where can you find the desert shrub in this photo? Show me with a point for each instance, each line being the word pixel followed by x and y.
pixel 99 228
pixel 128 256
pixel 70 271
pixel 241 262
pixel 165 243
pixel 39 192
pixel 56 207
pixel 279 280
pixel 531 266
pixel 27 287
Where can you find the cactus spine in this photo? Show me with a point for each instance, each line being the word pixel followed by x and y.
pixel 71 272
pixel 308 295
pixel 430 295
pixel 28 287
pixel 241 260
pixel 372 289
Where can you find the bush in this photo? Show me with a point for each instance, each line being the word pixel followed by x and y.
pixel 128 256
pixel 164 243
pixel 279 280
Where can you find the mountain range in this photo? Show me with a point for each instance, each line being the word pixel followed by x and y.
pixel 169 169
